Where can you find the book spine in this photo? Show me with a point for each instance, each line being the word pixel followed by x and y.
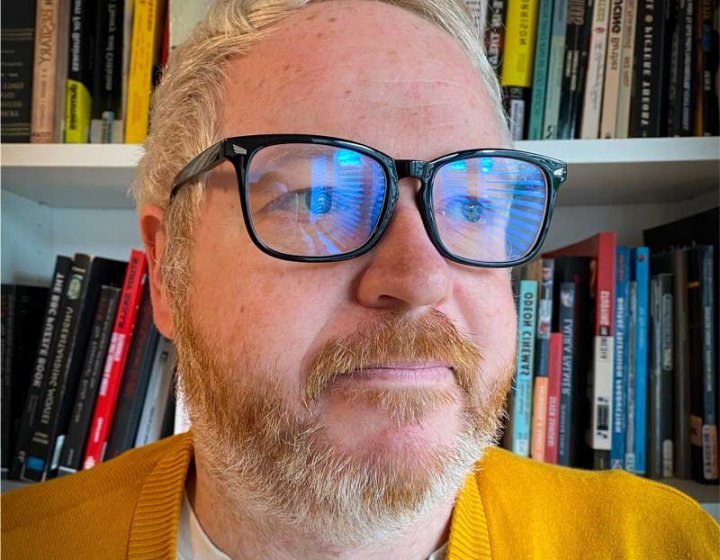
pixel 642 277
pixel 554 395
pixel 555 69
pixel 7 325
pixel 569 84
pixel 643 94
pixel 42 127
pixel 78 91
pixel 592 100
pixel 116 359
pixel 17 39
pixel 566 318
pixel 494 31
pixel 542 361
pixel 584 52
pixel 77 433
pixel 687 77
pixel 604 348
pixel 622 123
pixel 617 450
pixel 710 394
pixel 540 71
pixel 517 66
pixel 50 329
pixel 156 399
pixel 134 384
pixel 631 369
pixel 681 412
pixel 525 365
pixel 106 85
pixel 611 87
pixel 42 443
pixel 660 445
pixel 709 116
pixel 147 24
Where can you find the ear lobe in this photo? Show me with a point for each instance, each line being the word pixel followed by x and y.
pixel 152 230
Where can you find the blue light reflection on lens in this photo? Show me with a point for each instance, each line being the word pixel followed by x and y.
pixel 348 158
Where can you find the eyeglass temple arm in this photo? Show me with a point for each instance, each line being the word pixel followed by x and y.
pixel 205 161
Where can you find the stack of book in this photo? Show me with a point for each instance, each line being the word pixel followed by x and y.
pixel 617 355
pixel 85 375
pixel 83 71
pixel 601 69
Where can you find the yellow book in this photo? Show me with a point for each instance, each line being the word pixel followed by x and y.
pixel 519 55
pixel 144 53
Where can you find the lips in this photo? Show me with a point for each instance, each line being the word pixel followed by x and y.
pixel 404 373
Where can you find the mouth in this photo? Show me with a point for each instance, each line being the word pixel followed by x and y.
pixel 404 373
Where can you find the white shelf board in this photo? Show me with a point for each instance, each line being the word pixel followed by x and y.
pixel 600 172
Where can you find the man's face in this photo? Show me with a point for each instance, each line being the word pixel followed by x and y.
pixel 429 343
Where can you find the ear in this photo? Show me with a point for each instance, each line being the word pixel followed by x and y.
pixel 154 236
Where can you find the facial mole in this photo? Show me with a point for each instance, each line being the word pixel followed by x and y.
pixel 332 19
pixel 286 68
pixel 348 92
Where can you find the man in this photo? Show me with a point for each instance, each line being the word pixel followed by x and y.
pixel 343 312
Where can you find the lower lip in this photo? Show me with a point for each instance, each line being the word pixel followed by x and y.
pixel 414 375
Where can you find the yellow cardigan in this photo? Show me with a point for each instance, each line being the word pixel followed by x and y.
pixel 512 508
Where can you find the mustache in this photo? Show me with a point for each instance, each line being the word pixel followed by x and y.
pixel 397 337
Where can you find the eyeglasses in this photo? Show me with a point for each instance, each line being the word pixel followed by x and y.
pixel 321 199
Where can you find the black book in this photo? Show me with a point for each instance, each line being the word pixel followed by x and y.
pixel 81 59
pixel 89 275
pixel 107 80
pixel 707 86
pixel 703 382
pixel 17 41
pixel 653 40
pixel 682 109
pixel 574 36
pixel 578 102
pixel 135 381
pixel 495 31
pixel 571 317
pixel 94 362
pixel 22 316
pixel 41 363
pixel 660 387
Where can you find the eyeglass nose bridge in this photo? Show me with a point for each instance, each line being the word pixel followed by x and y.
pixel 410 168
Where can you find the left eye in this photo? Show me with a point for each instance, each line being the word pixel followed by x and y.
pixel 470 208
pixel 319 200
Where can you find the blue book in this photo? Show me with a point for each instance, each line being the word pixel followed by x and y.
pixel 641 275
pixel 622 324
pixel 540 71
pixel 522 411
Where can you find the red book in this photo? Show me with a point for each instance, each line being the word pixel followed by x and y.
pixel 602 249
pixel 554 379
pixel 135 280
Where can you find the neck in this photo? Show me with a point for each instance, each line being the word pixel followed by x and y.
pixel 242 531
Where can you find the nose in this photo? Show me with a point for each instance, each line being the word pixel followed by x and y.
pixel 405 270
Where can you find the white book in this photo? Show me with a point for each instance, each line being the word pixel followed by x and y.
pixel 611 88
pixel 595 79
pixel 622 123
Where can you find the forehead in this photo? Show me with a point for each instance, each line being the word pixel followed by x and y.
pixel 365 71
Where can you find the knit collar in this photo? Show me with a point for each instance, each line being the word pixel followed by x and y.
pixel 153 533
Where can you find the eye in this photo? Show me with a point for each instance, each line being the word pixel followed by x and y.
pixel 319 200
pixel 470 208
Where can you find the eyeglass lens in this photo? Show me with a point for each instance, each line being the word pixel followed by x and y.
pixel 310 200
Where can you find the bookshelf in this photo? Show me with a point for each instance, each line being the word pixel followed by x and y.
pixel 61 198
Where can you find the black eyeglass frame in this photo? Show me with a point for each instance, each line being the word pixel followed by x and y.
pixel 239 151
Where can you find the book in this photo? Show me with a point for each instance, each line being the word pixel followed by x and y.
pixel 16 69
pixel 156 400
pixel 556 62
pixel 611 86
pixel 107 122
pixel 684 113
pixel 542 360
pixel 133 285
pixel 527 319
pixel 43 356
pixel 81 68
pixel 594 84
pixel 554 395
pixel 49 71
pixel 77 432
pixel 494 29
pixel 517 66
pixel 622 315
pixel 660 425
pixel 570 85
pixel 540 70
pixel 135 382
pixel 649 104
pixel 707 54
pixel 601 249
pixel 22 314
pixel 703 388
pixel 636 449
pixel 145 52
pixel 622 120
pixel 42 442
pixel 576 108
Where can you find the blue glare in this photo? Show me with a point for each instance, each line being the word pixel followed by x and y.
pixel 459 165
pixel 487 165
pixel 348 158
